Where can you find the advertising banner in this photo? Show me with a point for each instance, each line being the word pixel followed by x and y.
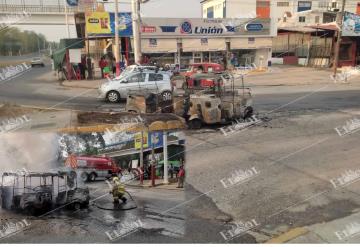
pixel 97 23
pixel 351 25
pixel 125 24
pixel 198 27
pixel 103 24
pixel 156 139
pixel 137 137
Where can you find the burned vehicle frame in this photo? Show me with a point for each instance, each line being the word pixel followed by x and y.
pixel 20 194
pixel 69 194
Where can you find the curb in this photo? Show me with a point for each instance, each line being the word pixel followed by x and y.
pixel 76 86
pixel 157 186
pixel 289 235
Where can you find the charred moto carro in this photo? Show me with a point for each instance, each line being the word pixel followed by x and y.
pixel 220 103
pixel 28 192
pixel 69 193
pixel 37 192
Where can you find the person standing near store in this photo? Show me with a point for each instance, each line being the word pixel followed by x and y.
pixel 181 177
pixel 102 65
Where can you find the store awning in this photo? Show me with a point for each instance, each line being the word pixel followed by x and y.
pixel 203 44
pixel 155 45
pixel 250 43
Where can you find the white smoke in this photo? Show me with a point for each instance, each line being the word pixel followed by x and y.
pixel 30 151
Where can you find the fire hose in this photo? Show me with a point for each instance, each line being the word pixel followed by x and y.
pixel 119 209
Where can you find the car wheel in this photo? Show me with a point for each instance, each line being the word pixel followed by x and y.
pixel 92 177
pixel 166 96
pixel 195 124
pixel 249 111
pixel 84 177
pixel 113 96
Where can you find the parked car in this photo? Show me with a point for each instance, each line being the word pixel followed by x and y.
pixel 150 82
pixel 91 168
pixel 37 61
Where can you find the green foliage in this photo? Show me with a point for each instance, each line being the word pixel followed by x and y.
pixel 15 42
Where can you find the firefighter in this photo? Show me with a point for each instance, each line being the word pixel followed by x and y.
pixel 118 191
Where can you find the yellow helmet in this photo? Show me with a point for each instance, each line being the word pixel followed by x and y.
pixel 115 179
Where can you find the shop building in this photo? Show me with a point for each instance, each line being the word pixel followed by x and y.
pixel 185 41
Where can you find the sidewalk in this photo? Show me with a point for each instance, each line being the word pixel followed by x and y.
pixel 87 84
pixel 342 230
pixel 159 183
pixel 280 75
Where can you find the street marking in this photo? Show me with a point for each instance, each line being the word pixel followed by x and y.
pixel 287 236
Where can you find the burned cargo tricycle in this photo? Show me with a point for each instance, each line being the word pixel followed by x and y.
pixel 30 192
pixel 40 192
pixel 221 103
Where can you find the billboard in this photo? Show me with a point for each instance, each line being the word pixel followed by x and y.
pixel 103 24
pixel 125 24
pixel 137 140
pixel 351 25
pixel 97 23
pixel 156 139
pixel 198 27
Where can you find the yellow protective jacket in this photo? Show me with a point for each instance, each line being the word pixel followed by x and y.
pixel 118 190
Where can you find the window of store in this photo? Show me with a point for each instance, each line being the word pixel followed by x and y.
pixel 206 57
pixel 197 57
pixel 302 19
pixel 304 5
pixel 283 4
pixel 210 12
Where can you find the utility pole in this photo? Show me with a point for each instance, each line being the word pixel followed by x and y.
pixel 117 43
pixel 340 18
pixel 166 162
pixel 67 20
pixel 135 4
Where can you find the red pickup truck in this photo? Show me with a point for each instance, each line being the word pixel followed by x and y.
pixel 93 167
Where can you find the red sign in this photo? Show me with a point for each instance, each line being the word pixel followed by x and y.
pixel 148 29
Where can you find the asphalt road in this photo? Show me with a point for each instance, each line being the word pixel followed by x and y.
pixel 38 87
pixel 295 151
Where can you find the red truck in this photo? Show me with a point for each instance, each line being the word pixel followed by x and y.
pixel 91 168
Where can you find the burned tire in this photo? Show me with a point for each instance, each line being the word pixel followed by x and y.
pixel 195 123
pixel 84 177
pixel 166 96
pixel 249 111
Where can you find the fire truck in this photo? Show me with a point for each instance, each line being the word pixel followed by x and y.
pixel 92 168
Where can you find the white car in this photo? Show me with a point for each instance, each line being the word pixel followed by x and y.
pixel 151 82
pixel 37 61
pixel 141 68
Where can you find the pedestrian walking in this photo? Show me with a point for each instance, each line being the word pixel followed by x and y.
pixel 181 177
